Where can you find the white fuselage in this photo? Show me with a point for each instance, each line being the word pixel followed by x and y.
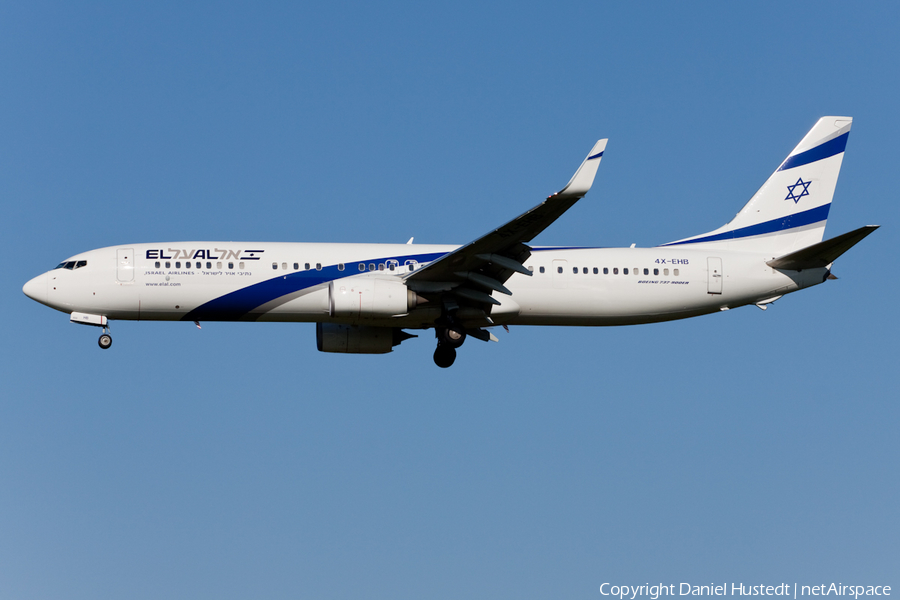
pixel 227 281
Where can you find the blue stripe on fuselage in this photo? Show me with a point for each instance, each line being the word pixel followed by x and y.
pixel 545 248
pixel 236 305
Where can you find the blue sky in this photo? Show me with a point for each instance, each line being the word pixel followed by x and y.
pixel 237 461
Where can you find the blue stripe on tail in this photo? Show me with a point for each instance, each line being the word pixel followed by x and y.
pixel 826 150
pixel 807 217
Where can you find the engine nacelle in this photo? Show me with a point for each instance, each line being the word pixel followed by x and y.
pixel 364 297
pixel 357 339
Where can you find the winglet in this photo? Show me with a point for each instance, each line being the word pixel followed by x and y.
pixel 584 177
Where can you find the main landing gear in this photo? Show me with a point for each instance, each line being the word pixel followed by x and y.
pixel 105 340
pixel 449 339
pixel 444 355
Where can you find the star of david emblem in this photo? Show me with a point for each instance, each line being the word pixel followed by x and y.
pixel 792 190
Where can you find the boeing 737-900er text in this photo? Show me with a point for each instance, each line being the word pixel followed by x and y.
pixel 362 296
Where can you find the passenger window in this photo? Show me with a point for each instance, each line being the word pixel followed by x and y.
pixel 178 264
pixel 284 266
pixel 676 272
pixel 624 271
pixel 575 270
pixel 596 271
pixel 371 266
pixel 231 265
pixel 197 265
pixel 275 266
pixel 318 266
pixel 636 271
pixel 240 266
pixel 391 266
pixel 362 266
pixel 665 271
pixel 296 266
pixel 606 270
pixel 584 271
pixel 306 266
pixel 656 271
pixel 531 269
pixel 168 265
pixel 615 270
pixel 156 265
pixel 541 269
pixel 646 271
pixel 559 269
pixel 219 265
pixel 209 265
pixel 340 266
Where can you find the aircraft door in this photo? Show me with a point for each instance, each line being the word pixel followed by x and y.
pixel 560 273
pixel 125 264
pixel 714 275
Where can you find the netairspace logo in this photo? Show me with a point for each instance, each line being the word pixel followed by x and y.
pixel 654 592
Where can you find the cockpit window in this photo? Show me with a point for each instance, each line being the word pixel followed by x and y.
pixel 70 265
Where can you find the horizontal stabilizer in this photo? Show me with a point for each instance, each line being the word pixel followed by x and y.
pixel 822 254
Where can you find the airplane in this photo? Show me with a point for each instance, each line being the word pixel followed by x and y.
pixel 363 296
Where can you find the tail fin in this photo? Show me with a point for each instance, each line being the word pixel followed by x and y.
pixel 790 210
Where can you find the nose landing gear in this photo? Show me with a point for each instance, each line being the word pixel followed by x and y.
pixel 105 340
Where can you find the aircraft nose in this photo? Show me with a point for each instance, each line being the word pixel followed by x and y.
pixel 36 289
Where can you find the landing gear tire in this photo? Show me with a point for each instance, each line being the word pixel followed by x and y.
pixel 105 341
pixel 452 336
pixel 444 356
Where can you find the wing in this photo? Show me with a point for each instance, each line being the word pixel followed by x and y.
pixel 469 274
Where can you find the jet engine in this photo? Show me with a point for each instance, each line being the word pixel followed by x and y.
pixel 363 297
pixel 358 339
